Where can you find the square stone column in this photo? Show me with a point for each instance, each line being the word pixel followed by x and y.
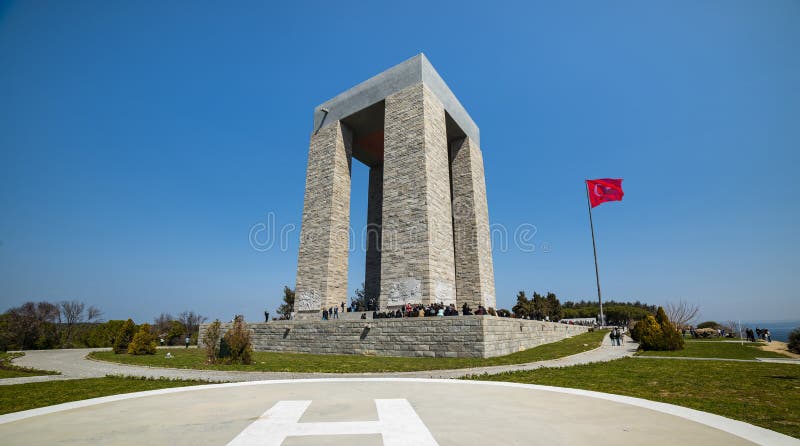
pixel 473 245
pixel 324 239
pixel 372 273
pixel 417 239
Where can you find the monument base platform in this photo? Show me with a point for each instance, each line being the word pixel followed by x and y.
pixel 441 337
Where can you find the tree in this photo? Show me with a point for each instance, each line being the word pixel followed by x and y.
pixel 540 307
pixel 286 308
pixel 657 333
pixel 734 327
pixel 163 323
pixel 681 313
pixel 191 321
pixel 143 342
pixel 176 331
pixel 71 314
pixel 238 341
pixel 360 299
pixel 124 336
pixel 32 325
pixel 93 314
pixel 554 310
pixel 522 307
pixel 794 340
pixel 103 335
pixel 616 313
pixel 211 341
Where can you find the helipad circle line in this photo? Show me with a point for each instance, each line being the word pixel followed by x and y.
pixel 740 429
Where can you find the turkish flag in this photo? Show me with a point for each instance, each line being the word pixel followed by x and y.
pixel 604 189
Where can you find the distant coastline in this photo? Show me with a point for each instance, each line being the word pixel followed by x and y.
pixel 778 329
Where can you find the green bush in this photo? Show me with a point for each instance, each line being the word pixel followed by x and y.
pixel 657 333
pixel 238 340
pixel 706 332
pixel 144 342
pixel 123 337
pixel 177 331
pixel 794 340
pixel 211 341
pixel 709 324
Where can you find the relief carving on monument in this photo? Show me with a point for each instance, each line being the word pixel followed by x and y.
pixel 308 301
pixel 445 293
pixel 405 291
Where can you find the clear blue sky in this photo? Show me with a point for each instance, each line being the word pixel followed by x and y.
pixel 141 141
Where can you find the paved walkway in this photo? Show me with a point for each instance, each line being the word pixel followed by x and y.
pixel 387 411
pixel 73 364
pixel 692 358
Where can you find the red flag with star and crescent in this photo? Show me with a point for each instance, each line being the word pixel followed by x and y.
pixel 604 189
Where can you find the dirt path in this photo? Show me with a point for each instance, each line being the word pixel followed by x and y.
pixel 779 347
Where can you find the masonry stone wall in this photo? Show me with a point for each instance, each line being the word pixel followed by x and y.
pixel 450 337
pixel 322 261
pixel 473 247
pixel 417 242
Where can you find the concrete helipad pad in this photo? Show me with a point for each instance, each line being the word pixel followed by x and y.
pixel 372 412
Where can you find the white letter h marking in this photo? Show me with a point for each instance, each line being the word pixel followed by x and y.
pixel 398 424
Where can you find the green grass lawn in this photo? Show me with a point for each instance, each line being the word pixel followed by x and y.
pixel 30 396
pixel 727 350
pixel 297 362
pixel 711 339
pixel 9 370
pixel 764 394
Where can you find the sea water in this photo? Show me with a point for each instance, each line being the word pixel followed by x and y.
pixel 778 329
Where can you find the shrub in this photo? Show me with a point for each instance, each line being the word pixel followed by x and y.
pixel 657 333
pixel 644 327
pixel 123 337
pixel 706 332
pixel 144 342
pixel 708 324
pixel 794 340
pixel 211 341
pixel 176 332
pixel 238 340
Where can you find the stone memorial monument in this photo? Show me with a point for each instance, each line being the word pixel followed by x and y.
pixel 428 235
pixel 427 232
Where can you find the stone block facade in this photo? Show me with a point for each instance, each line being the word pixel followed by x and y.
pixel 473 246
pixel 324 238
pixel 444 337
pixel 423 152
pixel 417 255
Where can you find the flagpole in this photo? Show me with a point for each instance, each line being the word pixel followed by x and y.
pixel 594 249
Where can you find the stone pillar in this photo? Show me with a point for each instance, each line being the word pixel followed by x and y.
pixel 322 262
pixel 473 245
pixel 417 239
pixel 372 275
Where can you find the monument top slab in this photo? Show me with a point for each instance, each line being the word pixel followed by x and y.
pixel 375 89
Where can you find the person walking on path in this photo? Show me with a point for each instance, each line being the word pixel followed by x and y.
pixel 187 341
pixel 336 312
